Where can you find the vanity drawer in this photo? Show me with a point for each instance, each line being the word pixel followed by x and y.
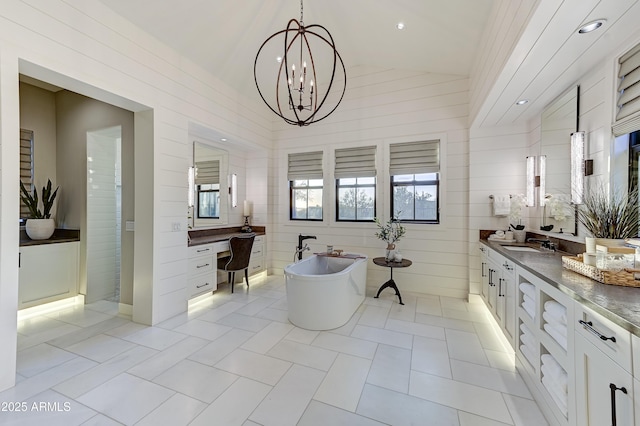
pixel 256 265
pixel 201 265
pixel 610 338
pixel 256 251
pixel 202 283
pixel 202 250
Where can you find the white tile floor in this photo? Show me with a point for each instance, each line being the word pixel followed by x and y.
pixel 234 359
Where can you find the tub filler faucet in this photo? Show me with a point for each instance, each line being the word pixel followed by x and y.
pixel 302 248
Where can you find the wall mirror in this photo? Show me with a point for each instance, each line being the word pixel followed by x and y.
pixel 210 186
pixel 559 120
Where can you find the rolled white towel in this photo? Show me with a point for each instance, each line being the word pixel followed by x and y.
pixel 528 340
pixel 531 300
pixel 556 310
pixel 528 353
pixel 557 336
pixel 553 322
pixel 528 289
pixel 558 397
pixel 561 380
pixel 524 328
pixel 529 308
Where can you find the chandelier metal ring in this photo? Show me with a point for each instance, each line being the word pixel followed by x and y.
pixel 297 111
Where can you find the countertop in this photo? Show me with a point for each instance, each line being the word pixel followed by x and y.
pixel 619 304
pixel 59 236
pixel 207 236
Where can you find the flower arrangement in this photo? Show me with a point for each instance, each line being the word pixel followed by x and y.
pixel 391 231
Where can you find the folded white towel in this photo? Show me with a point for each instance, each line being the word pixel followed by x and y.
pixel 561 380
pixel 529 354
pixel 528 289
pixel 557 336
pixel 556 310
pixel 501 205
pixel 553 322
pixel 524 328
pixel 552 363
pixel 529 308
pixel 556 395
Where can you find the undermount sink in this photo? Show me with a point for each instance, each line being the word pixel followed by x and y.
pixel 521 248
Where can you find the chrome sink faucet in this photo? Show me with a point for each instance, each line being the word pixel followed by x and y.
pixel 544 244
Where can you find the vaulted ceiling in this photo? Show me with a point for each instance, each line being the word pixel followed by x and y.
pixel 223 36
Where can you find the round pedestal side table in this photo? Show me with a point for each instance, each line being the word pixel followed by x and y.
pixel 381 261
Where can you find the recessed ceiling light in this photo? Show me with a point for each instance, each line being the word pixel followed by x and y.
pixel 223 139
pixel 279 59
pixel 591 26
pixel 400 25
pixel 522 101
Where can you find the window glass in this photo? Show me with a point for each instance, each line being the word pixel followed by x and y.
pixel 416 197
pixel 306 199
pixel 356 199
pixel 209 201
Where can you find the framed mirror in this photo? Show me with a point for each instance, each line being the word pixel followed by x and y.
pixel 210 186
pixel 559 120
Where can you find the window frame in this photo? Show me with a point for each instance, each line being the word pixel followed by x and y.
pixel 198 192
pixel 414 183
pixel 356 185
pixel 292 187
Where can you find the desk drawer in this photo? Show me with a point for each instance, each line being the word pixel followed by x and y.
pixel 201 265
pixel 201 250
pixel 202 283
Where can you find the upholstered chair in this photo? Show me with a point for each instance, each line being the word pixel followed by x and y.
pixel 240 248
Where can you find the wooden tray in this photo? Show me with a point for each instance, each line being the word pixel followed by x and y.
pixel 621 278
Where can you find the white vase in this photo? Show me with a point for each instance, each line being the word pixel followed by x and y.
pixel 40 229
pixel 520 235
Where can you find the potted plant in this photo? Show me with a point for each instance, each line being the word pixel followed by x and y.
pixel 609 217
pixel 390 232
pixel 39 225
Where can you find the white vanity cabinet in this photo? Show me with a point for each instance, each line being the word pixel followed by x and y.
pixel 202 273
pixel 603 361
pixel 498 290
pixel 257 262
pixel 48 272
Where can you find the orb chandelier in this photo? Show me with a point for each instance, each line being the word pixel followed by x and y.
pixel 308 86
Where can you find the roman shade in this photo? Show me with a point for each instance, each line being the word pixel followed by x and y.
pixel 26 165
pixel 414 157
pixel 305 165
pixel 355 162
pixel 628 113
pixel 207 172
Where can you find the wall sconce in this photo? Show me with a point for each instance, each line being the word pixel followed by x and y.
pixel 234 190
pixel 531 181
pixel 579 167
pixel 192 186
pixel 541 179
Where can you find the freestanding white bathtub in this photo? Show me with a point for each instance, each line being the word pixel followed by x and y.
pixel 323 292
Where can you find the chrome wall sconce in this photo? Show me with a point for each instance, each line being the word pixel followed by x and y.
pixel 579 167
pixel 536 178
pixel 306 89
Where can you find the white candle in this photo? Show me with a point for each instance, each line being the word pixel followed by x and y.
pixel 247 208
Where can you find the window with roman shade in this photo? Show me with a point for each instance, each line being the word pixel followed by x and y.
pixel 26 167
pixel 207 181
pixel 414 168
pixel 628 104
pixel 355 174
pixel 304 173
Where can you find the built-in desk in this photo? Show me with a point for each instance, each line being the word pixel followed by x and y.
pixel 207 245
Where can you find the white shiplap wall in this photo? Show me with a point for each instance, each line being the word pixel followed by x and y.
pixel 383 107
pixel 84 46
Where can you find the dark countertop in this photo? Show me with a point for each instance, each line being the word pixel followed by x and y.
pixel 206 236
pixel 59 236
pixel 617 303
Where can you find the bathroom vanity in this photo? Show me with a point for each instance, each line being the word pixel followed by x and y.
pixel 207 245
pixel 594 350
pixel 48 269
